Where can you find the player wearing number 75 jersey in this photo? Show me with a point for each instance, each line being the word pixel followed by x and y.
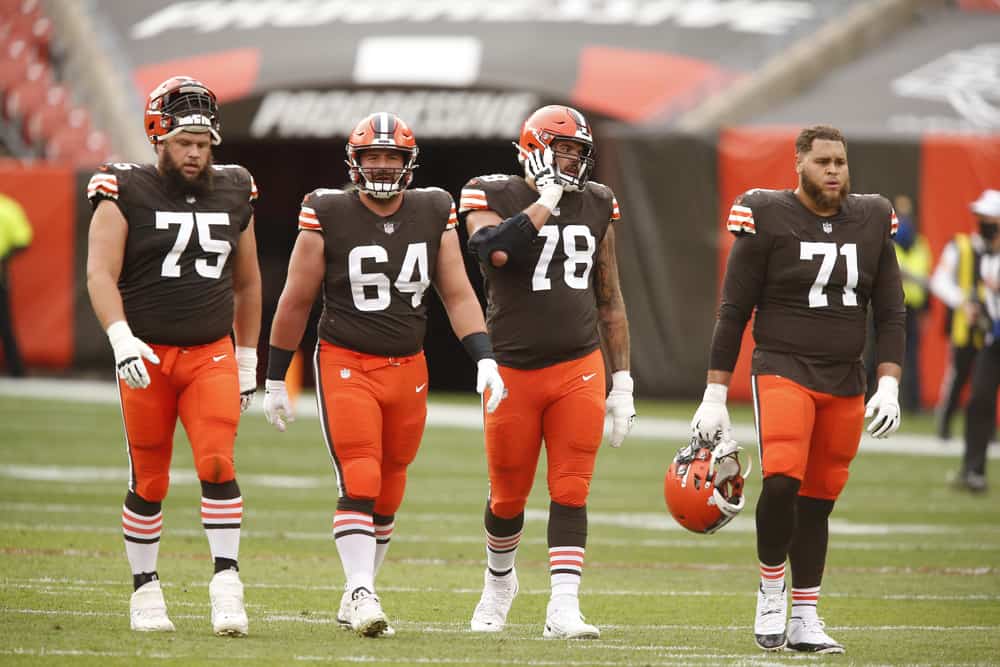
pixel 546 246
pixel 811 262
pixel 172 271
pixel 374 250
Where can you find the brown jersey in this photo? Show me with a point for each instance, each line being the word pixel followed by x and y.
pixel 377 268
pixel 542 309
pixel 177 275
pixel 811 279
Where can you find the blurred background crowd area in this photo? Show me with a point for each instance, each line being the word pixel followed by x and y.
pixel 692 102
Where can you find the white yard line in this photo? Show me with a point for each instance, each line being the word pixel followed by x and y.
pixel 469 416
pixel 646 521
pixel 462 626
pixel 55 586
pixel 324 536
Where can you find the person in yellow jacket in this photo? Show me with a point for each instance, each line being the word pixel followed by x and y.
pixel 956 283
pixel 15 235
pixel 914 256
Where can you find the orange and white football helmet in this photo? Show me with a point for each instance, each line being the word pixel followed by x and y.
pixel 559 122
pixel 182 104
pixel 382 130
pixel 704 485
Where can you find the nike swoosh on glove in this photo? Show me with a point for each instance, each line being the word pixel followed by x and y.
pixel 488 377
pixel 884 404
pixel 129 352
pixel 277 407
pixel 621 406
pixel 711 419
pixel 246 361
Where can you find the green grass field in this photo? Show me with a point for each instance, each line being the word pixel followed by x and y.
pixel 913 575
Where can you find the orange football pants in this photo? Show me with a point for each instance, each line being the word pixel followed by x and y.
pixel 373 411
pixel 561 404
pixel 200 384
pixel 807 435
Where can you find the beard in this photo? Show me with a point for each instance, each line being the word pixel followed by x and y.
pixel 198 186
pixel 819 195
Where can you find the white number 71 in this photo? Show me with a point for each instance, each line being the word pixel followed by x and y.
pixel 817 296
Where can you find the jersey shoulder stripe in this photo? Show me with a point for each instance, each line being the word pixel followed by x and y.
pixel 472 199
pixel 741 220
pixel 103 185
pixel 308 219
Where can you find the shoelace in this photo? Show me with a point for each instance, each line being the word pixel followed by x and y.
pixel 493 597
pixel 815 625
pixel 773 603
pixel 228 602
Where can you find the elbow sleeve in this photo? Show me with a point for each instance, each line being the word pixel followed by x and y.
pixel 512 236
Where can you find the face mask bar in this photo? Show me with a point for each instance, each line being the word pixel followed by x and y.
pixel 190 110
pixel 585 161
pixel 400 177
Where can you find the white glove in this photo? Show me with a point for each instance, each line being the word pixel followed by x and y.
pixel 884 404
pixel 129 353
pixel 712 418
pixel 488 377
pixel 539 167
pixel 246 360
pixel 621 407
pixel 277 407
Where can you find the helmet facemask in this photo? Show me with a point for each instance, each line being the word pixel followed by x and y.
pixel 585 160
pixel 381 182
pixel 704 485
pixel 585 164
pixel 187 107
pixel 727 479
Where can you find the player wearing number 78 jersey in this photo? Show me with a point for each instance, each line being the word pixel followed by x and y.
pixel 811 262
pixel 374 250
pixel 546 247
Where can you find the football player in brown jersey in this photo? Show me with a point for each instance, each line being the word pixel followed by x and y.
pixel 172 272
pixel 546 248
pixel 374 250
pixel 811 262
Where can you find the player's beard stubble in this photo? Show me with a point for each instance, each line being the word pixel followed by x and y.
pixel 177 181
pixel 818 194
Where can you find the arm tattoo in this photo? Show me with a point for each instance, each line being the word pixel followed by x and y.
pixel 612 322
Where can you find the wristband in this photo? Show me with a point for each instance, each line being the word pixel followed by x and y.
pixel 478 346
pixel 278 361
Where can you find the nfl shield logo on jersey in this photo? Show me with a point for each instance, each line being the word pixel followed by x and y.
pixel 389 227
pixel 827 227
pixel 345 373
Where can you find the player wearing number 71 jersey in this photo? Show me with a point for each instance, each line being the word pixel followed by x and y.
pixel 374 250
pixel 811 262
pixel 545 243
pixel 171 271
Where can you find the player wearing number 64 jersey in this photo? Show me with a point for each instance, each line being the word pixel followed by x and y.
pixel 172 271
pixel 545 243
pixel 811 262
pixel 374 250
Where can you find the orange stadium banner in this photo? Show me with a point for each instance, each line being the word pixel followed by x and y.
pixel 42 277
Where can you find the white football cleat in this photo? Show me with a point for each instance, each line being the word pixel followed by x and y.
pixel 769 623
pixel 490 614
pixel 148 610
pixel 364 611
pixel 568 623
pixel 229 618
pixel 808 635
pixel 344 618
